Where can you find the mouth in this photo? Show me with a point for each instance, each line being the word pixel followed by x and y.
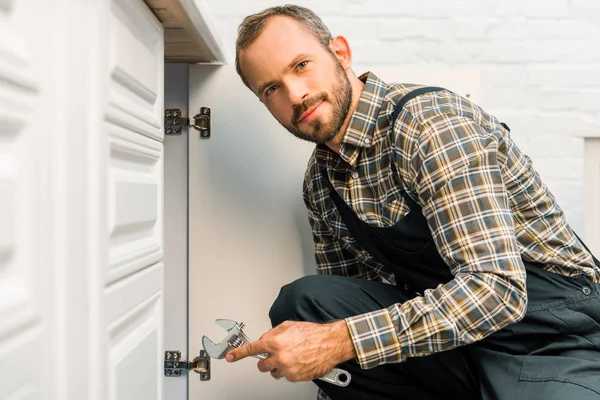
pixel 311 113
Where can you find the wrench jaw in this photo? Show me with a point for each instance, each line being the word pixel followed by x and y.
pixel 220 350
pixel 217 351
pixel 227 324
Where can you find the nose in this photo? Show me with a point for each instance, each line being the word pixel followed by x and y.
pixel 297 91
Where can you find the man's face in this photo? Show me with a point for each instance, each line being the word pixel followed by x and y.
pixel 301 83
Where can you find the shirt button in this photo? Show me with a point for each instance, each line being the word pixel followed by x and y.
pixel 355 174
pixel 363 217
pixel 368 141
pixel 586 290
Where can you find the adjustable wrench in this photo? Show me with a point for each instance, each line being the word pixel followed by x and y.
pixel 236 338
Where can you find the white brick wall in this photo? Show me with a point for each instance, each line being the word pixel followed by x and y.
pixel 539 63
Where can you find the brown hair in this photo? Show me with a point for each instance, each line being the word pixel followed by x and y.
pixel 253 25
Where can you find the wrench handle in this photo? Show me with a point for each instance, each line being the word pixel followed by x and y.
pixel 337 377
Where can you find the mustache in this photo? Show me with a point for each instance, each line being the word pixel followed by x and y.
pixel 305 105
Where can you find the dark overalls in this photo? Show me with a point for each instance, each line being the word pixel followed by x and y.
pixel 552 353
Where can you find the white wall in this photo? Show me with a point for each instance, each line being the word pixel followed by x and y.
pixel 539 62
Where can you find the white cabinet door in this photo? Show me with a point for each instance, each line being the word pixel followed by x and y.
pixel 132 280
pixel 81 200
pixel 26 269
pixel 248 232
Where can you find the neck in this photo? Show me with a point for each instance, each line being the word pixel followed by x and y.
pixel 357 87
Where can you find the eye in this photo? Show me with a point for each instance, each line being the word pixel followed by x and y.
pixel 302 65
pixel 270 90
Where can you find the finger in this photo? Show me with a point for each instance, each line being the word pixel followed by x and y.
pixel 247 350
pixel 276 374
pixel 266 365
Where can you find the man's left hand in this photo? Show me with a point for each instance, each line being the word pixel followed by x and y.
pixel 300 351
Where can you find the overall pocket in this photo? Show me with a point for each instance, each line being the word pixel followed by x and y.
pixel 581 372
pixel 571 353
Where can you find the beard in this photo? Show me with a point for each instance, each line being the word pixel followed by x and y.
pixel 340 100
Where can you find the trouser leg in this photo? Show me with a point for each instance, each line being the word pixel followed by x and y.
pixel 318 298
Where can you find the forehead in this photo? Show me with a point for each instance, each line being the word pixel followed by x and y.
pixel 282 39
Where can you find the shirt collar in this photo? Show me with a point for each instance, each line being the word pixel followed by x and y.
pixel 359 134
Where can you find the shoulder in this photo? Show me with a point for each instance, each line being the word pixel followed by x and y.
pixel 435 112
pixel 432 114
pixel 395 92
pixel 432 108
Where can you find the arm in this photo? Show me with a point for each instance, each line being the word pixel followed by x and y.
pixel 459 183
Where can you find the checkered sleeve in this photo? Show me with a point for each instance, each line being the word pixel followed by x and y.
pixel 457 177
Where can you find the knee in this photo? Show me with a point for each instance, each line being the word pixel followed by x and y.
pixel 295 300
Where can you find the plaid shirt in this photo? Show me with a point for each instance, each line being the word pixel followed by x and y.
pixel 486 207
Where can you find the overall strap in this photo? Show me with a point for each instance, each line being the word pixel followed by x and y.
pixel 417 92
pixel 411 95
pixel 397 109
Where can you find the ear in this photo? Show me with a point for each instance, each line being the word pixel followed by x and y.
pixel 341 48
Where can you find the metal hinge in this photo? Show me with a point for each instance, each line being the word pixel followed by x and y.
pixel 174 121
pixel 175 366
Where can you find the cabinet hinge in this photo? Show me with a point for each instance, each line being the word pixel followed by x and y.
pixel 175 366
pixel 174 121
